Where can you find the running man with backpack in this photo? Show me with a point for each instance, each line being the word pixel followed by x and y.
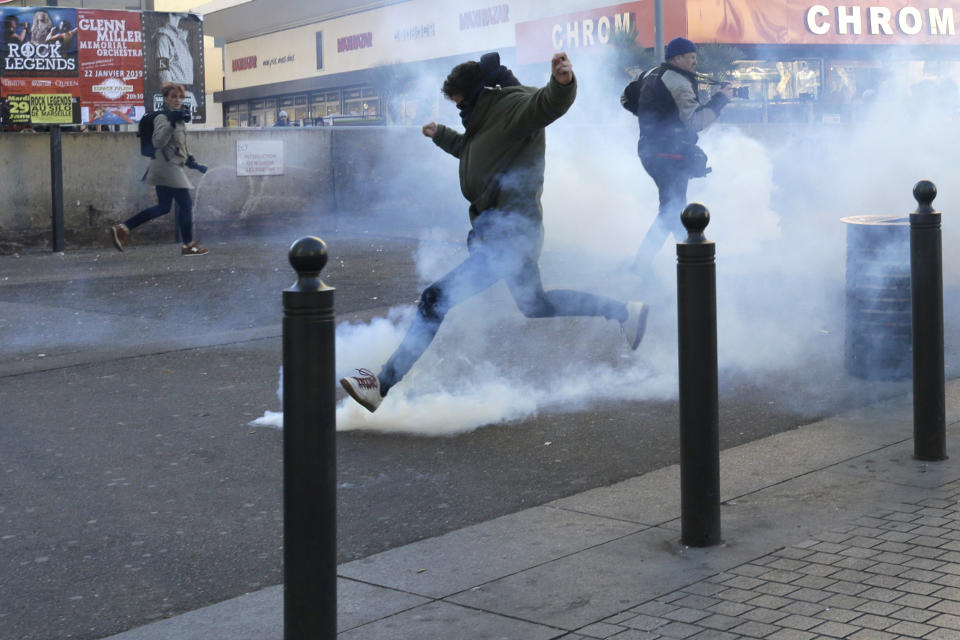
pixel 163 138
pixel 666 103
pixel 501 154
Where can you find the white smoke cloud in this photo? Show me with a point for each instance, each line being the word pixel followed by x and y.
pixel 776 197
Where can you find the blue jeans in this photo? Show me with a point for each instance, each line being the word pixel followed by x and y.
pixel 671 178
pixel 165 198
pixel 502 247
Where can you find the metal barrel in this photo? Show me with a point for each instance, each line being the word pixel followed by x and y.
pixel 877 328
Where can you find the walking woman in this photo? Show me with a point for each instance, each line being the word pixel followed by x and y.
pixel 167 173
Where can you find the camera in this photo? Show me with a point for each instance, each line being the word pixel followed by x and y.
pixel 741 92
pixel 185 110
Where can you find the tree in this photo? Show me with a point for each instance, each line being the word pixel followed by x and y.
pixel 716 60
pixel 630 56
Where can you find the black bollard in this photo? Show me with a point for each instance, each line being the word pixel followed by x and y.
pixel 926 286
pixel 309 450
pixel 699 405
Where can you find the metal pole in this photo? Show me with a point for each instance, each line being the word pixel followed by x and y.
pixel 658 29
pixel 56 186
pixel 309 450
pixel 926 287
pixel 699 404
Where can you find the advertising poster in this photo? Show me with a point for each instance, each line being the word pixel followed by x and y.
pixel 109 63
pixel 173 52
pixel 110 66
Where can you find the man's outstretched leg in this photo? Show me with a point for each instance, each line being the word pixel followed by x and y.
pixel 526 286
pixel 469 278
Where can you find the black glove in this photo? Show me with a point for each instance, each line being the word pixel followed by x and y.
pixel 175 116
pixel 192 164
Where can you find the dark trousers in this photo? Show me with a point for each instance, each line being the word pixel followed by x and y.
pixel 671 178
pixel 165 198
pixel 505 250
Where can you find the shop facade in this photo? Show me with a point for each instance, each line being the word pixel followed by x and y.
pixel 800 60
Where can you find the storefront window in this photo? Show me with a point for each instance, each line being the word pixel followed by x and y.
pixel 361 102
pixel 237 115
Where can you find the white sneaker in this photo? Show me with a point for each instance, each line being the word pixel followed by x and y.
pixel 636 323
pixel 364 388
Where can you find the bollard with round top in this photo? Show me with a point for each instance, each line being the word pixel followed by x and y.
pixel 699 404
pixel 926 292
pixel 309 449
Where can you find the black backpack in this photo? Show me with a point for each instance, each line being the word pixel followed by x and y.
pixel 145 133
pixel 630 98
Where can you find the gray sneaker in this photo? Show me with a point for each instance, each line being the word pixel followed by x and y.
pixel 364 388
pixel 636 323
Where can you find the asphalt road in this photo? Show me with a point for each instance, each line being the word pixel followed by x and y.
pixel 134 487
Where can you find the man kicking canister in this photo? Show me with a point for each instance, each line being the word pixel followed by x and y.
pixel 501 157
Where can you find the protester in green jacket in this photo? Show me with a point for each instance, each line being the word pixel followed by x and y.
pixel 501 156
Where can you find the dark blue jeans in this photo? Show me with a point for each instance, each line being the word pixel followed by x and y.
pixel 165 198
pixel 671 178
pixel 502 247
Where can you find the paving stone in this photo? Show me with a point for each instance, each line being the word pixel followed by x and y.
pixel 847 588
pixel 946 606
pixel 803 608
pixel 888 569
pixel 714 634
pixel 601 630
pixel 736 595
pixel 947 593
pixel 750 570
pixel 839 614
pixel 887 582
pixel 942 634
pixel 770 602
pixel 776 589
pixel 730 608
pixel 843 601
pixel 786 564
pixel 912 629
pixel 721 622
pixel 810 595
pixel 693 601
pixel 760 614
pixel 798 554
pixel 703 589
pixel 645 622
pixel 620 617
pixel 812 582
pixel 755 629
pixel 922 588
pixel 879 608
pixel 678 630
pixel 885 595
pixel 802 623
pixel 685 614
pixel 913 615
pixel 791 634
pixel 915 600
pixel 654 608
pixel 636 634
pixel 946 620
pixel 835 629
pixel 869 634
pixel 743 582
pixel 873 621
pixel 854 563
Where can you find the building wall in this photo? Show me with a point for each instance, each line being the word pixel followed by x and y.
pixel 328 172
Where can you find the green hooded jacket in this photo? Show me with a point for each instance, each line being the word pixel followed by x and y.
pixel 502 151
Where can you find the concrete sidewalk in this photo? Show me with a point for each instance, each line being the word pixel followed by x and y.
pixel 832 530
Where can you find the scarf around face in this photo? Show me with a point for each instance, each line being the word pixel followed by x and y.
pixel 492 73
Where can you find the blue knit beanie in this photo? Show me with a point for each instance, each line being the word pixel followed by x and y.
pixel 678 47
